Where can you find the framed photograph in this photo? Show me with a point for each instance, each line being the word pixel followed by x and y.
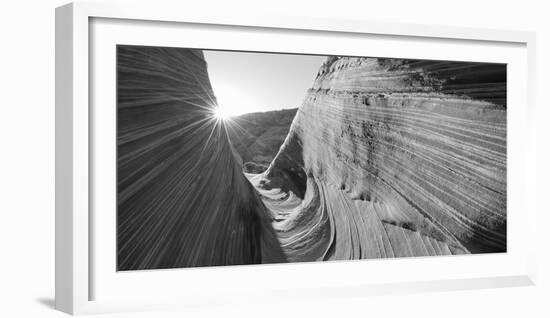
pixel 205 159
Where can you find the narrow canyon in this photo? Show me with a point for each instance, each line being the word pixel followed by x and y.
pixel 384 158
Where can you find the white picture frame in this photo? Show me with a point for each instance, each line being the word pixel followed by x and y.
pixel 75 268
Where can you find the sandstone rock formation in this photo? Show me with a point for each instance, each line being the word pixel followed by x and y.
pixel 384 158
pixel 257 137
pixel 182 197
pixel 394 158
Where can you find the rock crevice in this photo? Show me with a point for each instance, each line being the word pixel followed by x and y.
pixel 384 158
pixel 183 200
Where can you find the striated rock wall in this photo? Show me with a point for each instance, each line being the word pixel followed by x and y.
pixel 391 158
pixel 384 158
pixel 182 197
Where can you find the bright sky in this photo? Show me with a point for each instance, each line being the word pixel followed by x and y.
pixel 255 82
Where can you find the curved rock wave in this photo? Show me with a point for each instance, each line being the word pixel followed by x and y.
pixel 384 158
pixel 400 158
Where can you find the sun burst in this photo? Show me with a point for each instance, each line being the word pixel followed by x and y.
pixel 221 113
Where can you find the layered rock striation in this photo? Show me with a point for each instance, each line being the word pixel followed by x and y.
pixel 390 158
pixel 384 158
pixel 182 197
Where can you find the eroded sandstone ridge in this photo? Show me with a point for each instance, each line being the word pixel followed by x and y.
pixel 258 136
pixel 182 197
pixel 390 158
pixel 384 158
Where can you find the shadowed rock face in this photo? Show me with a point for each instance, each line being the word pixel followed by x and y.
pixel 384 158
pixel 257 137
pixel 394 158
pixel 182 197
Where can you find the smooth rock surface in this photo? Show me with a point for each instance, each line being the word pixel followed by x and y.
pixel 182 197
pixel 400 158
pixel 384 158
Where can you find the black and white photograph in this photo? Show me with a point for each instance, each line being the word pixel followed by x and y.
pixel 275 159
pixel 236 158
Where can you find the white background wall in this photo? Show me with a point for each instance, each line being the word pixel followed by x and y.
pixel 27 158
